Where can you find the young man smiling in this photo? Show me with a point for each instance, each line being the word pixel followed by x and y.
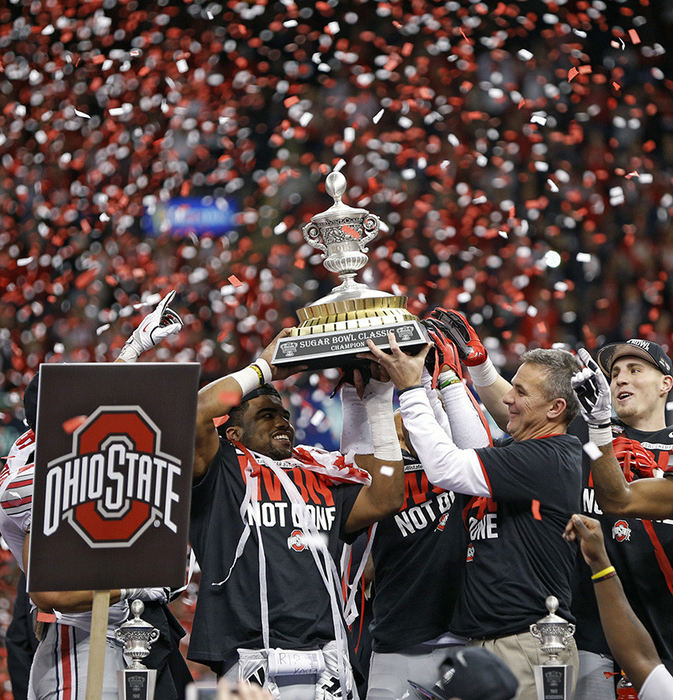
pixel 640 379
pixel 526 490
pixel 266 520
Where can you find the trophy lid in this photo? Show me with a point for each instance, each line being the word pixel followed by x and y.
pixel 551 618
pixel 137 608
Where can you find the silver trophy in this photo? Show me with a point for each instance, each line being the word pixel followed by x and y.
pixel 333 329
pixel 553 679
pixel 137 682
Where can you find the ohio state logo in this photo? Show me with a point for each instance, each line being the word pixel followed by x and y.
pixel 115 483
pixel 296 541
pixel 621 531
pixel 442 523
pixel 470 552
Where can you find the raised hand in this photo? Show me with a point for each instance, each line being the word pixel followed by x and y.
pixel 456 327
pixel 592 391
pixel 156 326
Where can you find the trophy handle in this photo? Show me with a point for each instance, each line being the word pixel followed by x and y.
pixel 370 228
pixel 312 236
pixel 154 636
pixel 534 630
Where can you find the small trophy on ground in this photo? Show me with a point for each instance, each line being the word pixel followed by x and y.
pixel 552 679
pixel 335 328
pixel 137 681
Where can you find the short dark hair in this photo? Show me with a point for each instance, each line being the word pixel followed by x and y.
pixel 560 365
pixel 236 413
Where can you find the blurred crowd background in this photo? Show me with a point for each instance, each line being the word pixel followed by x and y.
pixel 520 153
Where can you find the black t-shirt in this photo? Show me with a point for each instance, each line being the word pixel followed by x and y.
pixel 228 616
pixel 418 556
pixel 516 556
pixel 631 544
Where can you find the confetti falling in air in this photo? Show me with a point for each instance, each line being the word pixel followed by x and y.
pixel 592 450
pixel 386 470
pixel 69 426
pixel 185 145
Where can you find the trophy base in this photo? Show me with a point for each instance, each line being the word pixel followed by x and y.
pixel 137 683
pixel 553 681
pixel 339 348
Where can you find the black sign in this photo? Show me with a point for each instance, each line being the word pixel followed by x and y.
pixel 113 473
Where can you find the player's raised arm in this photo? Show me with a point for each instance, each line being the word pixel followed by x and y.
pixel 376 447
pixel 156 326
pixel 220 396
pixel 644 498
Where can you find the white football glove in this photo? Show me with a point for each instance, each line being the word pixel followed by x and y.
pixel 156 326
pixel 593 392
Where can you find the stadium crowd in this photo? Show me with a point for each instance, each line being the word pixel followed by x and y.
pixel 521 155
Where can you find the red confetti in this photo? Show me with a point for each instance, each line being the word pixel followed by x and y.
pixel 350 231
pixel 535 509
pixel 217 422
pixel 69 426
pixel 234 281
pixel 633 35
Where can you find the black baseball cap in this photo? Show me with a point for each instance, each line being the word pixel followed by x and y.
pixel 473 673
pixel 636 347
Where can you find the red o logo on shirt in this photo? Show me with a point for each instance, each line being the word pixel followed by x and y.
pixel 621 531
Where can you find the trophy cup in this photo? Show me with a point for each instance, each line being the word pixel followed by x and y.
pixel 552 679
pixel 137 681
pixel 335 328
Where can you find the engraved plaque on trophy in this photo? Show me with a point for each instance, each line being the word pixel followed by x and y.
pixel 137 681
pixel 553 680
pixel 335 328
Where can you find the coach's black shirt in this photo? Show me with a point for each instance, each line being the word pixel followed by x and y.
pixel 228 616
pixel 640 550
pixel 418 555
pixel 516 556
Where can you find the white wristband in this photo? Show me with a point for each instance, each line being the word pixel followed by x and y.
pixel 247 379
pixel 600 436
pixel 266 369
pixel 128 354
pixel 484 374
pixel 378 400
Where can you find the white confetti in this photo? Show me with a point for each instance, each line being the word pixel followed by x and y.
pixel 81 114
pixel 481 199
pixel 349 134
pixel 305 118
pixel 102 329
pixel 182 65
pixel 104 217
pixel 453 140
pixel 290 23
pixel 552 185
pixel 583 257
pixel 317 418
pixel 339 165
pixel 539 118
pixel 524 54
pixel 116 111
pixel 333 27
pixel 593 451
pixel 645 178
pixel 503 234
pixel 170 82
pixel 49 29
pixel 22 262
pixel 387 471
pixel 377 116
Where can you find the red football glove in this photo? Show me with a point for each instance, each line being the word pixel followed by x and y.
pixel 444 352
pixel 634 458
pixel 456 327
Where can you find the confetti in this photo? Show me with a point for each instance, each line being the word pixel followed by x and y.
pixel 69 426
pixel 592 450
